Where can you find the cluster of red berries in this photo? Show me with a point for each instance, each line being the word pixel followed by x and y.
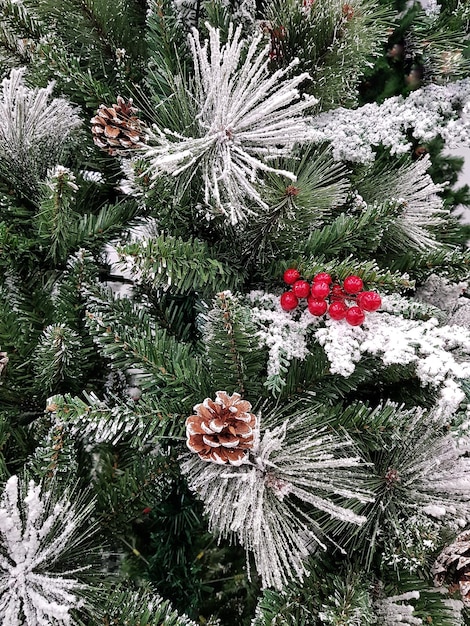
pixel 342 302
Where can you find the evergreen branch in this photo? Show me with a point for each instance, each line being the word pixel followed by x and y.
pixel 111 219
pixel 235 357
pixel 51 530
pixel 5 433
pixel 34 132
pixel 129 336
pixel 95 422
pixel 56 214
pixel 57 360
pixel 167 46
pixel 453 264
pixel 353 234
pixel 357 38
pixel 184 266
pixel 121 606
pixel 129 486
pixel 415 474
pixel 295 208
pixel 370 272
pixel 22 18
pixel 55 458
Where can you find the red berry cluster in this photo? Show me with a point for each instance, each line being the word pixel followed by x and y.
pixel 342 302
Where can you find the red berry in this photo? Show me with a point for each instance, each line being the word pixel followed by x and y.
pixel 146 511
pixel 291 275
pixel 353 284
pixel 355 316
pixel 337 310
pixel 337 293
pixel 289 301
pixel 369 300
pixel 317 307
pixel 322 277
pixel 320 289
pixel 301 288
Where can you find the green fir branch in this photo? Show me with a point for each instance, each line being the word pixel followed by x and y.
pixel 97 422
pixel 452 264
pixel 360 234
pixel 235 358
pixel 296 208
pixel 57 213
pixel 120 606
pixel 92 230
pixel 183 266
pixel 371 273
pixel 57 359
pixel 167 48
pixel 126 333
pixel 55 458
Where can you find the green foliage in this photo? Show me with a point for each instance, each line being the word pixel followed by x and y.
pixel 57 358
pixel 118 375
pixel 331 39
pixel 55 457
pixel 297 209
pixel 183 266
pixel 128 335
pixel 65 42
pixel 97 422
pixel 235 359
pixel 167 49
pixel 120 606
pixel 355 234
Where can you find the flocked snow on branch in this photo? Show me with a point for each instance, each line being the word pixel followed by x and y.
pixel 432 348
pixel 33 127
pixel 423 209
pixel 431 470
pixel 440 354
pixel 399 609
pixel 260 501
pixel 284 335
pixel 432 111
pixel 245 116
pixel 35 531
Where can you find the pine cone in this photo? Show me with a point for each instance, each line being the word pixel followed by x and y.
pixel 116 129
pixel 452 566
pixel 222 430
pixel 3 361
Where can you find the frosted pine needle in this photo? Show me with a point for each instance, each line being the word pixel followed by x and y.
pixel 261 501
pixel 396 610
pixel 33 128
pixel 35 532
pixel 245 116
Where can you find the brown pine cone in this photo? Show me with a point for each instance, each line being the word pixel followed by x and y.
pixel 116 129
pixel 3 361
pixel 452 567
pixel 222 430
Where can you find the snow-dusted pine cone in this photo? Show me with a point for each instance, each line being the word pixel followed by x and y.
pixel 452 567
pixel 116 129
pixel 221 431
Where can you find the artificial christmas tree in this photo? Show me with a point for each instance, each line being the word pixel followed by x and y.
pixel 183 438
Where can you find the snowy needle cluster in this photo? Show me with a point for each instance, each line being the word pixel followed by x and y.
pixel 34 128
pixel 245 116
pixel 37 586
